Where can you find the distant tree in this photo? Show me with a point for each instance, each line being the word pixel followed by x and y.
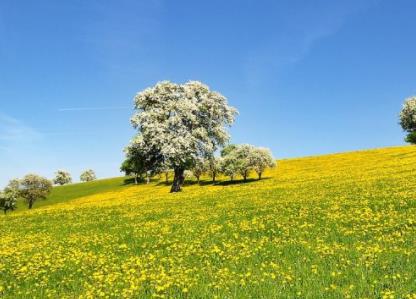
pixel 240 158
pixel 139 163
pixel 408 119
pixel 179 123
pixel 130 168
pixel 62 177
pixel 244 153
pixel 230 165
pixel 88 175
pixel 261 158
pixel 9 196
pixel 212 167
pixel 34 187
pixel 198 169
pixel 228 149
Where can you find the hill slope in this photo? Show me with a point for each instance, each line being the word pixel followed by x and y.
pixel 333 226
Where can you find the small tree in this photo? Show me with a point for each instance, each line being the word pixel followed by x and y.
pixel 240 158
pixel 88 175
pixel 9 196
pixel 408 119
pixel 34 187
pixel 62 177
pixel 138 162
pixel 244 153
pixel 261 158
pixel 230 165
pixel 198 169
pixel 213 167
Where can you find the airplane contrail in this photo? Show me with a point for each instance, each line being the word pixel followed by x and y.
pixel 93 108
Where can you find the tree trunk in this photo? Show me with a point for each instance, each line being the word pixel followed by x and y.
pixel 213 177
pixel 245 176
pixel 167 177
pixel 197 179
pixel 135 179
pixel 147 179
pixel 178 180
pixel 259 175
pixel 30 203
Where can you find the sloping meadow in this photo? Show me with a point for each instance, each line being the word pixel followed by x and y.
pixel 333 226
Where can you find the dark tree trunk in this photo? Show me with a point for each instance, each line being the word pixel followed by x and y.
pixel 259 175
pixel 245 176
pixel 197 179
pixel 178 180
pixel 213 177
pixel 167 177
pixel 30 203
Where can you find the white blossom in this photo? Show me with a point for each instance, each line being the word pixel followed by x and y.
pixel 181 123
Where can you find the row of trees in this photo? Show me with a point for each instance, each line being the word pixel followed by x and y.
pixel 63 177
pixel 234 160
pixel 33 187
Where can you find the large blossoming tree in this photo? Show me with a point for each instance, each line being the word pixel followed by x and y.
pixel 180 123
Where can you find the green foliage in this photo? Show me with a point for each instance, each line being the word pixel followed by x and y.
pixel 411 137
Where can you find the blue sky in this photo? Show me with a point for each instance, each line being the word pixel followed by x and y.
pixel 308 77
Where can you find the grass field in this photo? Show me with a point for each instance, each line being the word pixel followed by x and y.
pixel 335 226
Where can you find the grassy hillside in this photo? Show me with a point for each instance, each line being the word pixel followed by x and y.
pixel 333 226
pixel 68 192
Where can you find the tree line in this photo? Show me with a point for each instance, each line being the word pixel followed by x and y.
pixel 235 160
pixel 33 187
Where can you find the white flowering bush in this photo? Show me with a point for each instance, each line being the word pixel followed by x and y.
pixel 179 123
pixel 408 119
pixel 62 177
pixel 88 175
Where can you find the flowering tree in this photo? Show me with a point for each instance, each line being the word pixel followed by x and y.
pixel 408 119
pixel 237 158
pixel 198 169
pixel 88 175
pixel 179 123
pixel 244 158
pixel 229 165
pixel 9 196
pixel 261 158
pixel 33 187
pixel 212 167
pixel 62 177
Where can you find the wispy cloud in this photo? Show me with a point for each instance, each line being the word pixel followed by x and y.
pixel 92 108
pixel 306 28
pixel 13 130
